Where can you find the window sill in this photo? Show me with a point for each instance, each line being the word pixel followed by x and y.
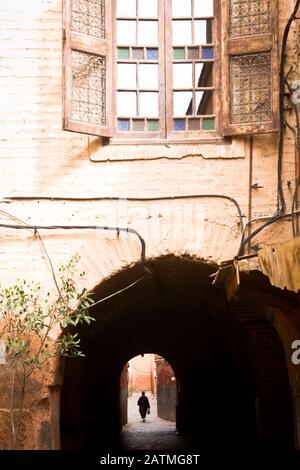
pixel 116 150
pixel 167 142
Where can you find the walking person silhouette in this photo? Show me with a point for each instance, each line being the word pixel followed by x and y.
pixel 144 406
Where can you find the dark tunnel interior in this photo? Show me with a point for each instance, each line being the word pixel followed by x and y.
pixel 219 369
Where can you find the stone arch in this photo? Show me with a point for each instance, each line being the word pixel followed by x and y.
pixel 189 322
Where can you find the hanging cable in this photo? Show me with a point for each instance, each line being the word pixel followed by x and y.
pixel 281 205
pixel 84 227
pixel 269 221
pixel 130 199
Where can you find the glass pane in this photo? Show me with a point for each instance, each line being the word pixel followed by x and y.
pixel 207 53
pixel 147 8
pixel 203 32
pixel 148 76
pixel 203 74
pixel 193 53
pixel 152 54
pixel 138 53
pixel 181 8
pixel 126 102
pixel 178 53
pixel 148 104
pixel 138 125
pixel 182 32
pixel 179 124
pixel 152 125
pixel 126 32
pixel 182 103
pixel 126 9
pixel 182 75
pixel 204 102
pixel 123 52
pixel 148 33
pixel 204 8
pixel 127 76
pixel 208 124
pixel 194 124
pixel 123 125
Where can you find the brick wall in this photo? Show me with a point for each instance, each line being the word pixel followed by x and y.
pixel 274 395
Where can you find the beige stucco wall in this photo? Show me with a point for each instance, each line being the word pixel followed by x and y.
pixel 38 158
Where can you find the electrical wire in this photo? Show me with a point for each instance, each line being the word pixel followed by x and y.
pixel 130 199
pixel 118 292
pixel 85 227
pixel 297 145
pixel 281 204
pixel 269 220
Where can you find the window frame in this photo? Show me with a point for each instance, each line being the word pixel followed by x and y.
pixel 229 50
pixel 166 134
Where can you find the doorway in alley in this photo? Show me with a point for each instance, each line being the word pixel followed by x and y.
pixel 152 375
pixel 229 362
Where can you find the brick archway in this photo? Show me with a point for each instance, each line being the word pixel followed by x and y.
pixel 220 362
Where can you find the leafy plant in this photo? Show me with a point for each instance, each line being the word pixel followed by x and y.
pixel 27 317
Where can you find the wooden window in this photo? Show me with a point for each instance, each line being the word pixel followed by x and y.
pixel 87 66
pixel 170 70
pixel 249 66
pixel 165 78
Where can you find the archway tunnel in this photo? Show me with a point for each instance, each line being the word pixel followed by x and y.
pixel 231 390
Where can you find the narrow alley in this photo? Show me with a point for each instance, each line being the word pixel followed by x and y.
pixel 154 434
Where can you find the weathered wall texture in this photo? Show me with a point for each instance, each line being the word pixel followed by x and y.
pixel 38 158
pixel 141 370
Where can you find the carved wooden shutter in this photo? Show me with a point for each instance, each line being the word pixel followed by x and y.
pixel 87 66
pixel 250 71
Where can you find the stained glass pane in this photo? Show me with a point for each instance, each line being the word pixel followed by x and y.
pixel 138 53
pixel 179 124
pixel 88 17
pixel 152 54
pixel 194 124
pixel 88 88
pixel 193 53
pixel 123 124
pixel 208 124
pixel 123 52
pixel 138 125
pixel 178 53
pixel 152 125
pixel 207 53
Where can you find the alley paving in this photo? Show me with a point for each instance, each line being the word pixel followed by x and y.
pixel 154 434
